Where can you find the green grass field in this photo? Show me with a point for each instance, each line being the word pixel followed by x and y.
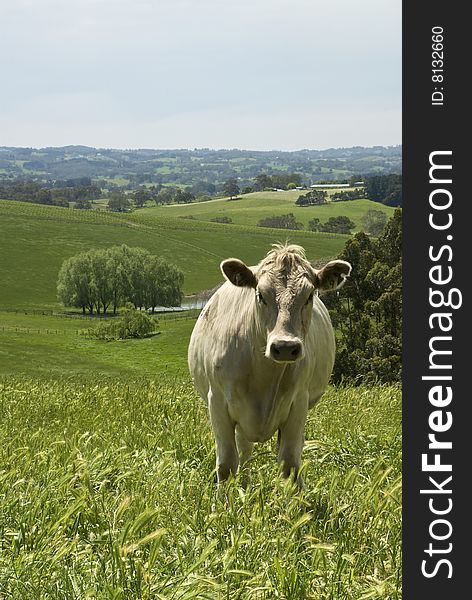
pixel 253 207
pixel 35 240
pixel 108 488
pixel 47 345
pixel 107 456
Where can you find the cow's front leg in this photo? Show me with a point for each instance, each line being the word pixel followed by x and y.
pixel 227 458
pixel 291 439
pixel 244 450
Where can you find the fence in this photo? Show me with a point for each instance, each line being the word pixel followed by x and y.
pixel 162 320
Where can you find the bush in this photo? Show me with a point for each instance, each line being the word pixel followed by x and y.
pixel 223 219
pixel 133 324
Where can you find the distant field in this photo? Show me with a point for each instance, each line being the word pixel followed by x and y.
pixel 34 241
pixel 252 207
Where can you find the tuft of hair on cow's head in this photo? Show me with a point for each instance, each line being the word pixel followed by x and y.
pixel 332 276
pixel 238 273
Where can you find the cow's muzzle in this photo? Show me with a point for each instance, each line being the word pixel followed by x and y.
pixel 285 350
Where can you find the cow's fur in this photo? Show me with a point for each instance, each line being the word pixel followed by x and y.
pixel 262 352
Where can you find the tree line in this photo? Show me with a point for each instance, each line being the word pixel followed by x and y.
pixel 367 311
pixel 373 222
pixel 386 189
pixel 101 280
pixel 80 192
pixel 338 224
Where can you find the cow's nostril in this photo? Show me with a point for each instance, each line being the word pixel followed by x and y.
pixel 285 350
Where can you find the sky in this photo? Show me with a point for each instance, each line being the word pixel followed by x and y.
pixel 250 74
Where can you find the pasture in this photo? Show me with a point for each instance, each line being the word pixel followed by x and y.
pixel 107 488
pixel 107 455
pixel 35 240
pixel 250 208
pixel 48 345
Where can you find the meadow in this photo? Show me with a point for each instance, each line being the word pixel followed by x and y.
pixel 107 457
pixel 35 240
pixel 48 345
pixel 250 208
pixel 107 487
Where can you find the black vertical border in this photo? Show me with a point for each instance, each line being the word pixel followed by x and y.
pixel 428 128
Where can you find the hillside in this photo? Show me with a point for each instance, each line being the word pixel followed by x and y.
pixel 35 239
pixel 250 208
pixel 187 167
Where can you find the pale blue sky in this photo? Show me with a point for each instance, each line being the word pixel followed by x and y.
pixel 255 74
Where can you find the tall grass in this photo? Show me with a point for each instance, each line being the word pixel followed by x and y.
pixel 107 487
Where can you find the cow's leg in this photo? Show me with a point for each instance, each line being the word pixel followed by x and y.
pixel 245 450
pixel 291 441
pixel 227 458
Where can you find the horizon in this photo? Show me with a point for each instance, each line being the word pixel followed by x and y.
pixel 196 149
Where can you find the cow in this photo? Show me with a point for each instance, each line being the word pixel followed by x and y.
pixel 261 354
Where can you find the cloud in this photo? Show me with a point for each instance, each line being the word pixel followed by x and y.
pixel 119 67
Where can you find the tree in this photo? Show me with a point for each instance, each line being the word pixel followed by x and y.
pixel 75 284
pixel 386 189
pixel 339 224
pixel 374 221
pixel 165 195
pixel 83 204
pixel 140 197
pixel 314 197
pixel 314 224
pixel 281 222
pixel 262 181
pixel 118 203
pixel 99 279
pixel 183 196
pixel 367 312
pixel 163 283
pixel 231 188
pixel 203 188
pixel 356 194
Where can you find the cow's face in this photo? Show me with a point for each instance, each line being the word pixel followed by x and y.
pixel 284 299
pixel 285 305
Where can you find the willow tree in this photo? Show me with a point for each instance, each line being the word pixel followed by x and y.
pixel 98 280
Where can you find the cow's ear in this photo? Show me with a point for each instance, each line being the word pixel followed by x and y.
pixel 238 273
pixel 333 275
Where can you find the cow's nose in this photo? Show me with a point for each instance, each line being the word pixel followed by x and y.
pixel 285 350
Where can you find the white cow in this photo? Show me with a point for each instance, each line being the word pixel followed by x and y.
pixel 262 352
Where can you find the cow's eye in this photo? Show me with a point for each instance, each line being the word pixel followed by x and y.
pixel 260 297
pixel 310 298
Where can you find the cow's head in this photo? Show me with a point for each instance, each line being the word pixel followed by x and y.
pixel 285 284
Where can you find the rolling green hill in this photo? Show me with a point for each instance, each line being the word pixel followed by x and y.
pixel 35 239
pixel 253 207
